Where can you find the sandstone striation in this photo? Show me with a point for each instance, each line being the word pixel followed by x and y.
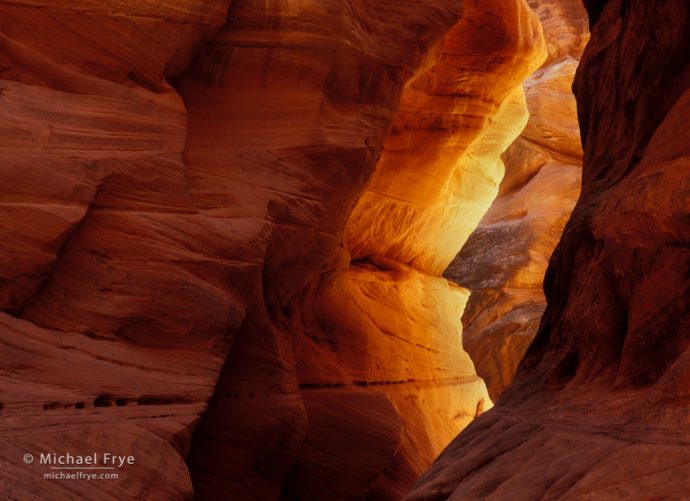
pixel 598 409
pixel 348 376
pixel 504 261
pixel 242 212
pixel 111 338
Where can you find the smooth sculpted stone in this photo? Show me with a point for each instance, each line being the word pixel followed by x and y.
pixel 223 233
pixel 599 406
pixel 348 376
pixel 504 260
pixel 112 335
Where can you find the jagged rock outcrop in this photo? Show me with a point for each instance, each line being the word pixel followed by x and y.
pixel 599 406
pixel 504 261
pixel 185 194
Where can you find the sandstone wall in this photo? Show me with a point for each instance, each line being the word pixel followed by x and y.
pixel 188 199
pixel 504 261
pixel 112 335
pixel 348 376
pixel 598 409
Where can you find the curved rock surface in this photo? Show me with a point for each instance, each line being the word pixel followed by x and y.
pixel 188 192
pixel 348 376
pixel 111 336
pixel 599 406
pixel 504 261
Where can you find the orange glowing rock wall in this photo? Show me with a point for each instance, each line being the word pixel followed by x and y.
pixel 348 376
pixel 504 261
pixel 223 233
pixel 599 406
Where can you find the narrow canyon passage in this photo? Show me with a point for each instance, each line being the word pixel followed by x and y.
pixel 238 239
pixel 599 407
pixel 504 261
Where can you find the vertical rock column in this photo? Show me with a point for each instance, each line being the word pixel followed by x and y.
pixel 385 380
pixel 289 108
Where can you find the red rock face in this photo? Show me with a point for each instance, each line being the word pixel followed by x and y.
pixel 224 233
pixel 504 261
pixel 599 407
pixel 188 206
pixel 115 311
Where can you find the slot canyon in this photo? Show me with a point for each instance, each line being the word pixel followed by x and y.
pixel 345 249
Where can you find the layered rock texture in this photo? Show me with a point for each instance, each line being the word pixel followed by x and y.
pixel 223 230
pixel 116 311
pixel 504 261
pixel 599 406
pixel 348 376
